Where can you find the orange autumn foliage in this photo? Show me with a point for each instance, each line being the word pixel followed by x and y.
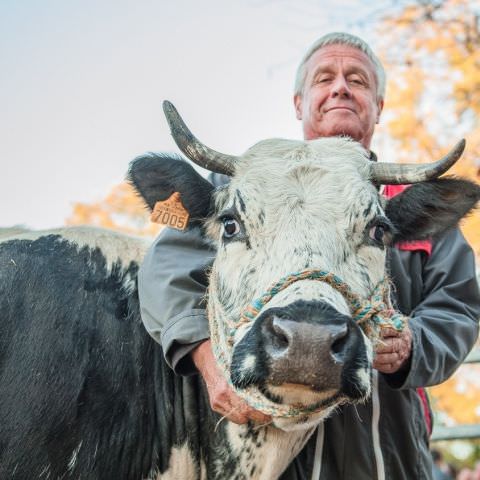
pixel 121 210
pixel 459 397
pixel 432 56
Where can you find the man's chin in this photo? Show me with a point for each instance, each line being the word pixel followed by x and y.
pixel 340 122
pixel 343 131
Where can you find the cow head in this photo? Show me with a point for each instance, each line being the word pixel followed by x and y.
pixel 291 207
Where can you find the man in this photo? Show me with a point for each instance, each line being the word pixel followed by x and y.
pixel 340 88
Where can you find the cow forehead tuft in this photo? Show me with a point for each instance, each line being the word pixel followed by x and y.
pixel 286 174
pixel 274 158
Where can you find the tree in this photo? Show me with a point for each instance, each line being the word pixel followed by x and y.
pixel 459 397
pixel 121 210
pixel 432 53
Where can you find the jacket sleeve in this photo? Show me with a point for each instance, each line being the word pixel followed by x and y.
pixel 172 283
pixel 445 323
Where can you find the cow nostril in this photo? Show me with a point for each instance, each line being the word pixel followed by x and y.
pixel 281 341
pixel 339 346
pixel 280 337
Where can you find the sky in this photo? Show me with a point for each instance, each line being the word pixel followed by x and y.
pixel 82 84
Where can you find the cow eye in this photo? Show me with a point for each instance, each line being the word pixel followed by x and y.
pixel 230 227
pixel 378 233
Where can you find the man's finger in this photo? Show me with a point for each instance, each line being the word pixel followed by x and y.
pixel 388 332
pixel 390 345
pixel 229 405
pixel 250 413
pixel 242 413
pixel 235 417
pixel 385 368
pixel 259 417
pixel 386 358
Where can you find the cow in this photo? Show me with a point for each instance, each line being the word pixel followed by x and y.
pixel 85 393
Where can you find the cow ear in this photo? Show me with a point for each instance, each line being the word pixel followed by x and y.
pixel 156 177
pixel 427 209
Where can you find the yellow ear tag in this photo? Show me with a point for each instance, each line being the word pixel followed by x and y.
pixel 170 212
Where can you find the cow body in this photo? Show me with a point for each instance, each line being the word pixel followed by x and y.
pixel 85 392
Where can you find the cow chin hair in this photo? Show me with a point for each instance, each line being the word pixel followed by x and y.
pixel 306 422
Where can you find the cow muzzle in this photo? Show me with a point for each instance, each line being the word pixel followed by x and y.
pixel 259 363
pixel 305 346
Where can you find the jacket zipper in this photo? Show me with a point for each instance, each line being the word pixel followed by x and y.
pixel 377 450
pixel 317 464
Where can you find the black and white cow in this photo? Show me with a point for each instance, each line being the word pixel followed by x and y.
pixel 85 393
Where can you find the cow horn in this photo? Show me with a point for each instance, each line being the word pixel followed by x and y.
pixel 398 173
pixel 195 150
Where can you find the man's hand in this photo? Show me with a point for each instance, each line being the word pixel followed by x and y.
pixel 223 399
pixel 394 350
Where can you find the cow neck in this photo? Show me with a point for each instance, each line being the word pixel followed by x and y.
pixel 371 314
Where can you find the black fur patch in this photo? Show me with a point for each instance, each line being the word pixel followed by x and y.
pixel 156 176
pixel 240 201
pixel 79 373
pixel 367 210
pixel 428 209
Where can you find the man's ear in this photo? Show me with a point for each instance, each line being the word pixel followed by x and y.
pixel 430 208
pixel 379 110
pixel 156 177
pixel 297 101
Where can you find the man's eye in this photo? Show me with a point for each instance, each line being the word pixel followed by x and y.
pixel 356 81
pixel 230 227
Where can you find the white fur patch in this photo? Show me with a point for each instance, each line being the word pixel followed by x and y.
pixel 180 466
pixel 271 452
pixel 116 247
pixel 73 459
pixel 44 473
pixel 363 376
pixel 248 363
pixel 369 348
pixel 294 394
pixel 12 231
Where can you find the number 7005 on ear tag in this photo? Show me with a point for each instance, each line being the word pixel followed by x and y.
pixel 170 212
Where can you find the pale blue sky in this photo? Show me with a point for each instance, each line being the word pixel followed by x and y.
pixel 82 83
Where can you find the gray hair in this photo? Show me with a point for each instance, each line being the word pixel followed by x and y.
pixel 341 38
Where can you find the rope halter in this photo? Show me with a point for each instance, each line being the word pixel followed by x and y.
pixel 371 314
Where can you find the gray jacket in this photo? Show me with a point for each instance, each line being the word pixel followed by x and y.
pixel 388 437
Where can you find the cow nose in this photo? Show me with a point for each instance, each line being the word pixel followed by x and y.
pixel 308 344
pixel 303 344
pixel 286 337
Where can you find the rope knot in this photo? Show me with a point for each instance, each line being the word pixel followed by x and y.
pixel 379 311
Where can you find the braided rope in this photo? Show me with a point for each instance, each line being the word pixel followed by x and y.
pixel 372 315
pixel 377 309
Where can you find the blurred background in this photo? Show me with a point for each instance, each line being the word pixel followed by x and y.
pixel 82 83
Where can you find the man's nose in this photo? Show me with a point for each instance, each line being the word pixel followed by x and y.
pixel 340 88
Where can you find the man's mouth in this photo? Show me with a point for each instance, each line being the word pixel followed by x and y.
pixel 341 108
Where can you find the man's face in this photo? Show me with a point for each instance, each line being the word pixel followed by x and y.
pixel 339 95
